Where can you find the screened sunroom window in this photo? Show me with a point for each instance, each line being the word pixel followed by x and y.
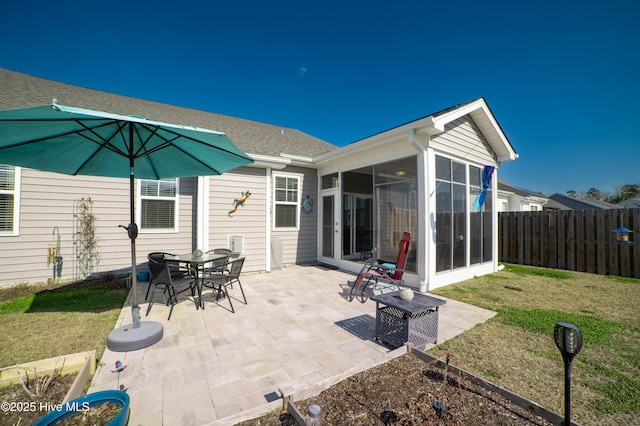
pixel 286 201
pixel 456 221
pixel 158 204
pixel 396 198
pixel 481 226
pixel 8 197
pixel 451 214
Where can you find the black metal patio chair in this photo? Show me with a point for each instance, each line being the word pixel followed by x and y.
pixel 221 282
pixel 161 278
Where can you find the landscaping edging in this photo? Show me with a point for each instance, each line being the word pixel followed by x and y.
pixel 533 407
pixel 521 401
pixel 83 363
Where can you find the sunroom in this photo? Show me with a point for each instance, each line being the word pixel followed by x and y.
pixel 421 177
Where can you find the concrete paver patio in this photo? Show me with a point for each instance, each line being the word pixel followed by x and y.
pixel 214 367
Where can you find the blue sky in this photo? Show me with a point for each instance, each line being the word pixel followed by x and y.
pixel 561 77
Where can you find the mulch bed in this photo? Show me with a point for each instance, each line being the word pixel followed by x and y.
pixel 18 406
pixel 402 392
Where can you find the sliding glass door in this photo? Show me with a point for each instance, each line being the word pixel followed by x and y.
pixel 357 220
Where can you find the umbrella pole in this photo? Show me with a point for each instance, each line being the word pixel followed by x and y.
pixel 133 233
pixel 138 335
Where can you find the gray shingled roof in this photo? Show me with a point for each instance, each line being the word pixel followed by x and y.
pixel 565 202
pixel 18 90
pixel 504 186
pixel 632 203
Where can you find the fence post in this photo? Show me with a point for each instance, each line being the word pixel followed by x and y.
pixel 602 238
pixel 552 235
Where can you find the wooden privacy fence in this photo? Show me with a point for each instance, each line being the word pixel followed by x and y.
pixel 576 240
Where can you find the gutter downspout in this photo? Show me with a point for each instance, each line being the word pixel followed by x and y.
pixel 423 222
pixel 202 221
pixel 268 213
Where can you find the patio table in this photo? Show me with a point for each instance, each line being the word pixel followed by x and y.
pixel 198 263
pixel 400 321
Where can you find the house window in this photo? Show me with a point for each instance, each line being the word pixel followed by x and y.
pixel 286 201
pixel 330 181
pixel 9 196
pixel 159 205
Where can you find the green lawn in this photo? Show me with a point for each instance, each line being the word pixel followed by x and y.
pixel 37 324
pixel 516 348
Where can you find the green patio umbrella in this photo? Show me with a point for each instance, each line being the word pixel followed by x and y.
pixel 78 141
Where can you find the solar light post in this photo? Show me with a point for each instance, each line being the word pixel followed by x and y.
pixel 569 341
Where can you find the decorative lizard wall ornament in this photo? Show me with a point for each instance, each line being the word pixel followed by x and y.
pixel 239 202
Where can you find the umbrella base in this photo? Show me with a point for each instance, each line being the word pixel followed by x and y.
pixel 127 338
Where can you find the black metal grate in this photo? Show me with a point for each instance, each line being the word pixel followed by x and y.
pixel 396 327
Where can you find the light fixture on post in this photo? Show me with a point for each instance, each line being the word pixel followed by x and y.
pixel 568 339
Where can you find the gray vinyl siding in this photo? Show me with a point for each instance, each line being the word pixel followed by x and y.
pixel 47 200
pixel 248 221
pixel 462 137
pixel 300 246
pixel 253 220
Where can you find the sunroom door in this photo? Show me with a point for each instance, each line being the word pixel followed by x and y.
pixel 357 220
pixel 330 225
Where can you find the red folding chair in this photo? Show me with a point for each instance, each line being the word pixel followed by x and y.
pixel 381 271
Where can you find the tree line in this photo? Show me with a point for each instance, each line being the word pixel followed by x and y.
pixel 620 193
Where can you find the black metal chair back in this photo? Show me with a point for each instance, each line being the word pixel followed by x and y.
pixel 231 276
pixel 155 257
pixel 161 277
pixel 235 268
pixel 218 266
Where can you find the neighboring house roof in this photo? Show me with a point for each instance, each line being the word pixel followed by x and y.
pixel 632 203
pixel 18 90
pixel 565 202
pixel 506 187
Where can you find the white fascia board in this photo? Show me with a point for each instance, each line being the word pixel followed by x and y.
pixel 267 161
pixel 297 158
pixel 421 126
pixel 533 199
pixel 502 192
pixel 280 162
pixel 496 137
pixel 441 121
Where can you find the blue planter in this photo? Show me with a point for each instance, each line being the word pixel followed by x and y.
pixel 73 407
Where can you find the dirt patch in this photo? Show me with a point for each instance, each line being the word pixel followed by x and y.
pixel 106 280
pixel 18 406
pixel 402 392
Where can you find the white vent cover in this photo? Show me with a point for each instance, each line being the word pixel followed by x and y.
pixel 236 243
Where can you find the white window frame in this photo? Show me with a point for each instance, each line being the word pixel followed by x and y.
pixel 16 203
pixel 141 197
pixel 297 203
